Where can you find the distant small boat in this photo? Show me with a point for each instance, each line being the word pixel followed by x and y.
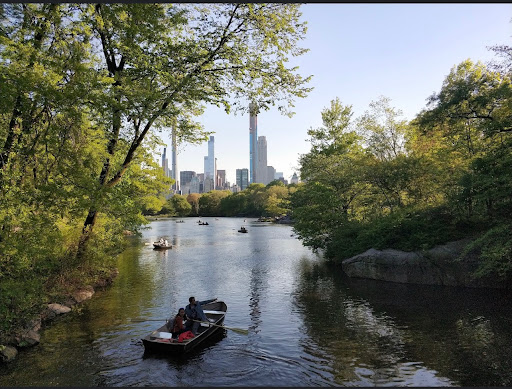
pixel 180 221
pixel 204 224
pixel 242 229
pixel 161 246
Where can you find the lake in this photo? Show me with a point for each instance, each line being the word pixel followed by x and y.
pixel 309 325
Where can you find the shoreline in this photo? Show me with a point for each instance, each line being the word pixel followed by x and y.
pixel 30 335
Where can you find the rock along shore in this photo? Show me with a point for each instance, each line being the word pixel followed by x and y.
pixel 437 266
pixel 29 336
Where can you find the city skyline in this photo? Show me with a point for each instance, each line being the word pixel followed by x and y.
pixel 359 52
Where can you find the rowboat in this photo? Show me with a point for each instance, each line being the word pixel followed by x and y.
pixel 161 246
pixel 161 341
pixel 242 229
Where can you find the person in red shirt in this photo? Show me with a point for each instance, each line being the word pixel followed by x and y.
pixel 176 325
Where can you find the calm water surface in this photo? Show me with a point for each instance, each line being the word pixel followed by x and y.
pixel 308 325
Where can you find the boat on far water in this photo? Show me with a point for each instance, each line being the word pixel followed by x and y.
pixel 162 245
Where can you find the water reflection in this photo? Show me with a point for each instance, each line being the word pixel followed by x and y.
pixel 256 286
pixel 379 333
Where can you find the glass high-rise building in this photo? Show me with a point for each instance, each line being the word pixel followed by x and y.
pixel 186 176
pixel 209 161
pixel 242 178
pixel 253 142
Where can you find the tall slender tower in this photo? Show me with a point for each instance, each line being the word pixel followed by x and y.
pixel 175 176
pixel 253 142
pixel 209 166
pixel 165 163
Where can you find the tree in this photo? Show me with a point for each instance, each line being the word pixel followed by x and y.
pixel 471 117
pixel 256 197
pixel 336 157
pixel 234 205
pixel 162 62
pixel 193 200
pixel 276 202
pixel 274 183
pixel 383 130
pixel 474 93
pixel 209 203
pixel 181 205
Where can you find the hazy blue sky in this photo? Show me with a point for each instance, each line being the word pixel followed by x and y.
pixel 359 52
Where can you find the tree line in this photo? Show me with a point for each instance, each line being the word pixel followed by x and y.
pixel 254 201
pixel 379 181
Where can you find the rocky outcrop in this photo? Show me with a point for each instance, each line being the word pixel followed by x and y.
pixel 285 220
pixel 437 266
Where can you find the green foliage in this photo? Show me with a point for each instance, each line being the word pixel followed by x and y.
pixel 275 182
pixel 495 249
pixel 210 203
pixel 85 91
pixel 180 205
pixel 234 204
pixel 193 200
pixel 412 186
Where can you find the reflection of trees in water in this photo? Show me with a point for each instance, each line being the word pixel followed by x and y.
pixel 377 332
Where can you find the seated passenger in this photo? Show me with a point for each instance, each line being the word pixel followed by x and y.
pixel 195 314
pixel 176 325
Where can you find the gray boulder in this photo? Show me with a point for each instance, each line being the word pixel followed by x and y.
pixel 28 339
pixel 84 294
pixel 58 308
pixel 437 266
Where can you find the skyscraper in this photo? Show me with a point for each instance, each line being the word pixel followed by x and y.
pixel 261 172
pixel 271 172
pixel 253 142
pixel 221 179
pixel 242 179
pixel 209 161
pixel 165 163
pixel 186 176
pixel 174 162
pixel 194 185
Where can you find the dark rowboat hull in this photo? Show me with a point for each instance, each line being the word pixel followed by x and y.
pixel 158 246
pixel 157 341
pixel 242 231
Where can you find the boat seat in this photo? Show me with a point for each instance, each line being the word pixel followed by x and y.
pixel 214 312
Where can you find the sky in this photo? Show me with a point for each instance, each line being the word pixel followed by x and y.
pixel 358 52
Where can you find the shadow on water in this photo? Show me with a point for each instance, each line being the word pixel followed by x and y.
pixel 377 332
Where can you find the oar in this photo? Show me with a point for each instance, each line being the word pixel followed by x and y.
pixel 238 330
